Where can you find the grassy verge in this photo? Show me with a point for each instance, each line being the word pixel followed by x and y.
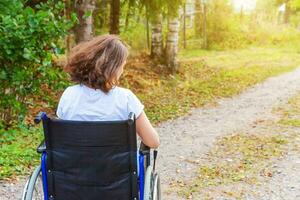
pixel 291 113
pixel 18 151
pixel 204 76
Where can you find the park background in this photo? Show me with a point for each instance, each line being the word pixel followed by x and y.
pixel 183 55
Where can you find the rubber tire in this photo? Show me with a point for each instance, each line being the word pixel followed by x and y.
pixel 156 194
pixel 25 189
pixel 30 185
pixel 147 185
pixel 152 189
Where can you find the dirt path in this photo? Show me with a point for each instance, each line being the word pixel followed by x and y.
pixel 188 138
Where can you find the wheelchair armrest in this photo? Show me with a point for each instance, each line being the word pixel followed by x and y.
pixel 144 149
pixel 42 147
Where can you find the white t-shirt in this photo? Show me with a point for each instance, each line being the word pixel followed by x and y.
pixel 82 103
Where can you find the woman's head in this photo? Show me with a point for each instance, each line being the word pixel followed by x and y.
pixel 98 63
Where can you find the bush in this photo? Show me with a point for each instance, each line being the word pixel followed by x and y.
pixel 29 38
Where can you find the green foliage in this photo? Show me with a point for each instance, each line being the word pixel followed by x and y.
pixel 273 4
pixel 28 39
pixel 135 36
pixel 295 4
pixel 133 29
pixel 10 6
pixel 229 29
pixel 18 150
pixel 266 5
pixel 154 8
pixel 222 27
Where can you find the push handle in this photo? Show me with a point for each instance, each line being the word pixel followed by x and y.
pixel 39 117
pixel 144 149
pixel 131 118
pixel 155 152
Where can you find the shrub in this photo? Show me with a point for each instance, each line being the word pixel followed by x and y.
pixel 29 38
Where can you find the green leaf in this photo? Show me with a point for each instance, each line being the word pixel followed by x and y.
pixel 3 75
pixel 27 54
pixel 87 14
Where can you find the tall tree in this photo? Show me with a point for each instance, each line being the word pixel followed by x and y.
pixel 114 17
pixel 287 11
pixel 157 9
pixel 100 16
pixel 198 18
pixel 153 11
pixel 171 49
pixel 172 44
pixel 84 29
pixel 130 11
pixel 157 39
pixel 291 6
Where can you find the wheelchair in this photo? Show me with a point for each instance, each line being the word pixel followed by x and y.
pixel 88 160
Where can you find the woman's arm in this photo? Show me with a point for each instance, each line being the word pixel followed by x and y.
pixel 146 131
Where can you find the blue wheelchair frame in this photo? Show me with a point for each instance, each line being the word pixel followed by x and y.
pixel 141 164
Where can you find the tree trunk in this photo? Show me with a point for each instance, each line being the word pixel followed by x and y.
pixel 84 29
pixel 114 17
pixel 287 12
pixel 172 44
pixel 100 15
pixel 184 26
pixel 148 32
pixel 204 30
pixel 130 12
pixel 198 18
pixel 157 40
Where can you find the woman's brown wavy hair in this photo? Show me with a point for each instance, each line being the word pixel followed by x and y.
pixel 96 63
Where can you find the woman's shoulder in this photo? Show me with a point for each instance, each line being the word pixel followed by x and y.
pixel 121 91
pixel 133 104
pixel 125 93
pixel 71 91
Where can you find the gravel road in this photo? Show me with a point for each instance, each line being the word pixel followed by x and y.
pixel 192 136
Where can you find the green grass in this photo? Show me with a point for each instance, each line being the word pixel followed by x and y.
pixel 290 114
pixel 290 122
pixel 208 75
pixel 204 77
pixel 18 151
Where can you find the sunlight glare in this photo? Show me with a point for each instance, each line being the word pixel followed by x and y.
pixel 247 5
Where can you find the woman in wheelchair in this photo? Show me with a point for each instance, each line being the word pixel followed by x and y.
pixel 89 153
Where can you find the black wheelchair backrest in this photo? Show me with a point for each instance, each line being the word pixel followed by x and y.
pixel 91 160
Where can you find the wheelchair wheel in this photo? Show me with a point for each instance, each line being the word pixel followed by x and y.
pixel 33 189
pixel 152 185
pixel 156 194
